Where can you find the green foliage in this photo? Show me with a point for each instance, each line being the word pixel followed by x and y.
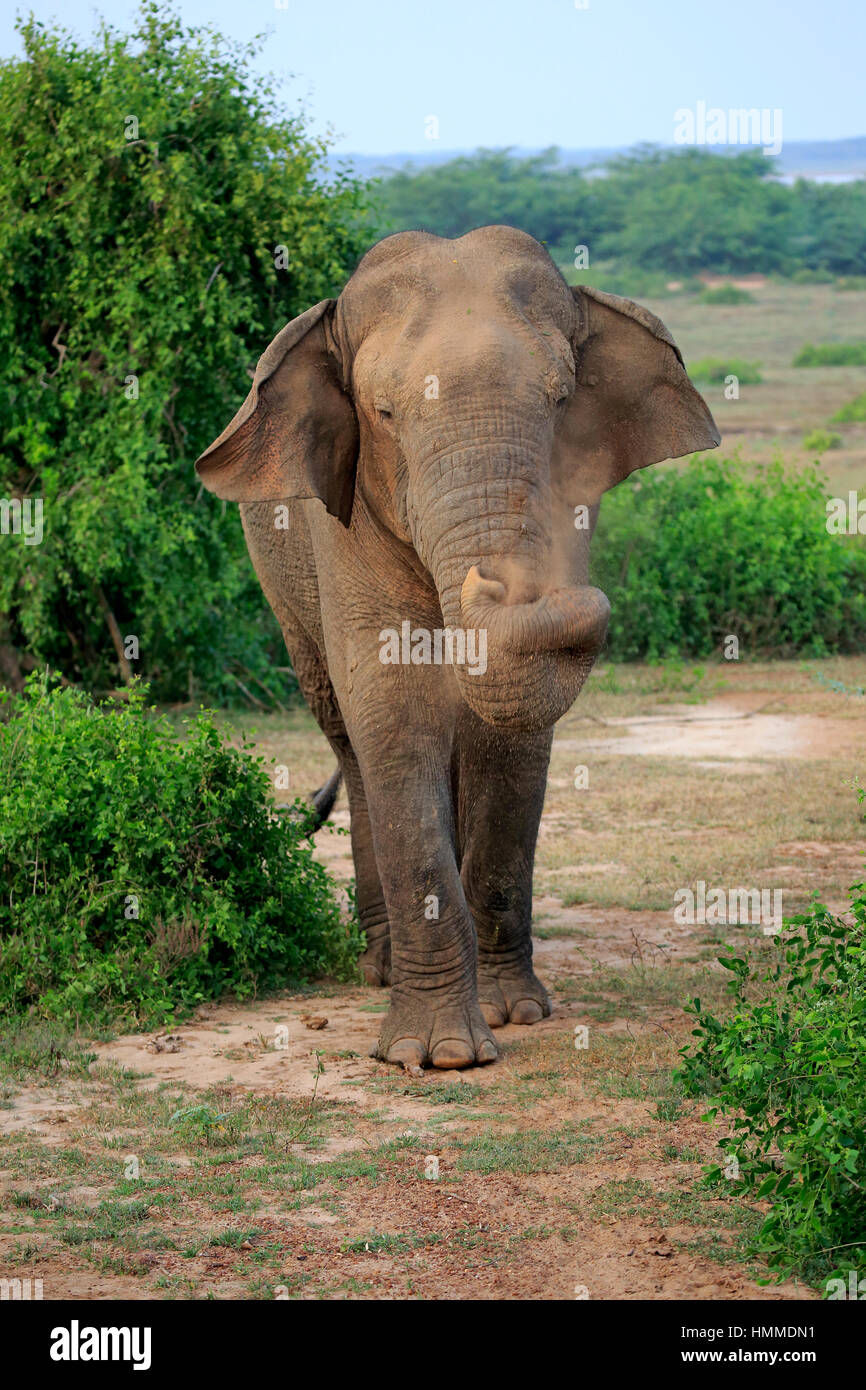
pixel 727 294
pixel 103 811
pixel 674 211
pixel 852 413
pixel 151 258
pixel 856 283
pixel 714 370
pixel 831 355
pixel 556 204
pixel 788 1067
pixel 806 275
pixel 819 441
pixel 689 556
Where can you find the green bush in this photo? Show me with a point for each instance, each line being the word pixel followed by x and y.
pixel 727 294
pixel 104 812
pixel 714 370
pixel 819 441
pixel 831 355
pixel 852 413
pixel 806 275
pixel 851 282
pixel 789 1069
pixel 689 556
pixel 139 282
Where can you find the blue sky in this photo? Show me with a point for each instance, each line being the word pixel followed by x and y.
pixel 535 72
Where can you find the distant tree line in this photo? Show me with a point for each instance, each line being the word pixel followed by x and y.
pixel 680 210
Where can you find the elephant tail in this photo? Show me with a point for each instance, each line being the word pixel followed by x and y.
pixel 323 798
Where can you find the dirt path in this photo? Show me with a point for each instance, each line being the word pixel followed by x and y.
pixel 732 726
pixel 261 1153
pixel 561 1168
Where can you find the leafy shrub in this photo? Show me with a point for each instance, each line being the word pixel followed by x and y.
pixel 714 370
pixel 727 294
pixel 806 275
pixel 831 355
pixel 850 282
pixel 852 413
pixel 789 1069
pixel 104 812
pixel 146 283
pixel 819 441
pixel 688 556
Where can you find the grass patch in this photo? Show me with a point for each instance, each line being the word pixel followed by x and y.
pixel 525 1151
pixel 831 355
pixel 726 294
pixel 854 412
pixel 714 371
pixel 818 441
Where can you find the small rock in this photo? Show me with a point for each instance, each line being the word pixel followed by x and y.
pixel 165 1042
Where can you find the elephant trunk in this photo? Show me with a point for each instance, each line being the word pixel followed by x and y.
pixel 562 618
pixel 538 654
pixel 492 574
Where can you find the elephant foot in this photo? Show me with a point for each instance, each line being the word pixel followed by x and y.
pixel 510 996
pixel 450 1036
pixel 375 963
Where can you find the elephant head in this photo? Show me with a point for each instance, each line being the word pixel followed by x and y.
pixel 476 407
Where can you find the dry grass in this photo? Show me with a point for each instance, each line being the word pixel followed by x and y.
pixel 649 825
pixel 773 416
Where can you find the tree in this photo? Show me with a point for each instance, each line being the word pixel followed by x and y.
pixel 160 219
pixel 554 203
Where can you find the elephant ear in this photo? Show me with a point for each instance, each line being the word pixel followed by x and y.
pixel 296 434
pixel 633 404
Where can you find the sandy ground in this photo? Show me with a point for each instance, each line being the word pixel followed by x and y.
pixel 611 1213
pixel 729 726
pixel 266 1049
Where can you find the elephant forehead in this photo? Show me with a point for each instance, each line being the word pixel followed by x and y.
pixel 450 353
pixel 426 278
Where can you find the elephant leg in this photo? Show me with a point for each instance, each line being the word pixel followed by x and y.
pixel 434 1019
pixel 501 778
pixel 375 960
pixel 312 673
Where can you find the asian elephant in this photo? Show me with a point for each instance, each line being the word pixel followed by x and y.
pixel 425 455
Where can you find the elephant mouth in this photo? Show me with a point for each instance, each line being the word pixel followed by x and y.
pixel 539 651
pixel 557 620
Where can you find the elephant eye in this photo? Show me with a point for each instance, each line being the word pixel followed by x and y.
pixel 384 412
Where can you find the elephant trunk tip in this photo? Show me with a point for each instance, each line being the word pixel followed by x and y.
pixel 476 587
pixel 569 617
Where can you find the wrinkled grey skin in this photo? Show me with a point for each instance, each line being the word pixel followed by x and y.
pixel 370 498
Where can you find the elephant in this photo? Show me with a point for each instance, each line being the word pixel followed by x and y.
pixel 418 461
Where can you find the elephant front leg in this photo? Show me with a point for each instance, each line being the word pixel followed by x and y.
pixel 501 782
pixel 375 960
pixel 435 1019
